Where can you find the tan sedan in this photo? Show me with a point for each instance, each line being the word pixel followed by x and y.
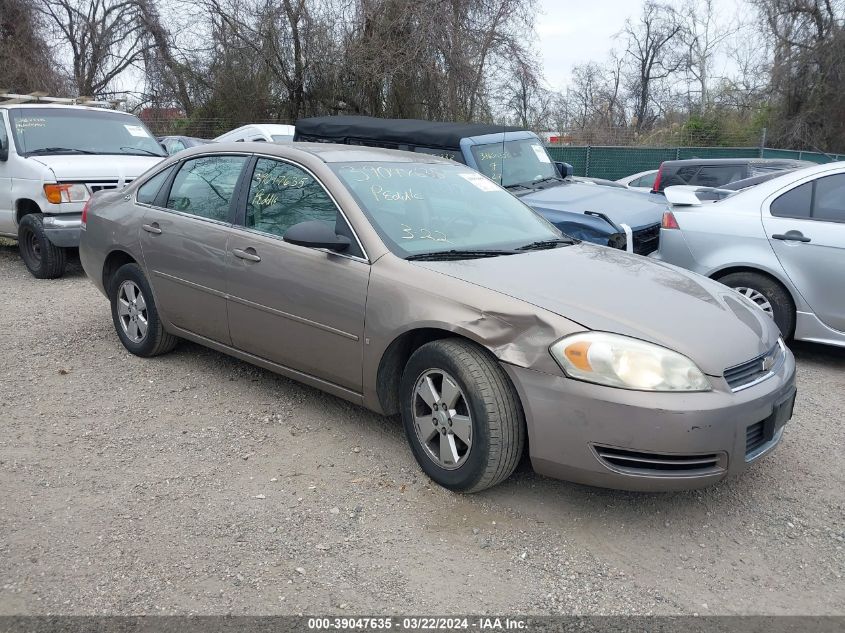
pixel 411 284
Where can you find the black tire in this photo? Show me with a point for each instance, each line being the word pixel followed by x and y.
pixel 497 420
pixel 783 310
pixel 155 340
pixel 44 259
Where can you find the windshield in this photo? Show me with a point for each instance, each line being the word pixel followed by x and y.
pixel 73 131
pixel 430 208
pixel 514 162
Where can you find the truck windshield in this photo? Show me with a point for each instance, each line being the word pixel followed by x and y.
pixel 518 162
pixel 80 131
pixel 429 208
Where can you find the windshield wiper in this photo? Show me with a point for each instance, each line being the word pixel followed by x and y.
pixel 58 150
pixel 458 254
pixel 146 152
pixel 547 179
pixel 546 244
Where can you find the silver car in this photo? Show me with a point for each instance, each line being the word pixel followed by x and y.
pixel 412 285
pixel 781 243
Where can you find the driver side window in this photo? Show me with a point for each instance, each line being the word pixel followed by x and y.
pixel 282 194
pixel 4 136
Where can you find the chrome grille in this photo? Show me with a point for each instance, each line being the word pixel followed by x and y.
pixel 747 373
pixel 100 185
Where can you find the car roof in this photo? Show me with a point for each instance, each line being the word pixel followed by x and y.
pixel 737 161
pixel 435 134
pixel 326 152
pixel 57 106
pixel 782 180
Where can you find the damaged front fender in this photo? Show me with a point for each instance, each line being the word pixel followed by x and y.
pixel 405 299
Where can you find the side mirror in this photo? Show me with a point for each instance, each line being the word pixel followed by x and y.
pixel 4 153
pixel 316 234
pixel 565 169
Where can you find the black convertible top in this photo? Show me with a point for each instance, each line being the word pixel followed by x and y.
pixel 346 129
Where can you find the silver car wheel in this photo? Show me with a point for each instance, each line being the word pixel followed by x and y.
pixel 442 419
pixel 132 311
pixel 757 297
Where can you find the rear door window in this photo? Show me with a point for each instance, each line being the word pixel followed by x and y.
pixel 795 203
pixel 204 186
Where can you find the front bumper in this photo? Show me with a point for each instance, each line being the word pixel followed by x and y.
pixel 634 440
pixel 63 230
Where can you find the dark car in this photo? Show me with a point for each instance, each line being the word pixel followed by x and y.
pixel 717 172
pixel 516 159
pixel 175 144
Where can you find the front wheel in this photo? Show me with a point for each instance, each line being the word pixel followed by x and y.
pixel 769 296
pixel 44 259
pixel 135 315
pixel 462 416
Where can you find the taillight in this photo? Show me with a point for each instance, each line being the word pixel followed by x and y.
pixel 85 213
pixel 669 221
pixel 655 188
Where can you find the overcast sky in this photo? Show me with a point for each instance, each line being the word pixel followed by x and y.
pixel 574 32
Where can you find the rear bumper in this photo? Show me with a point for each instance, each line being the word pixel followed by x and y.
pixel 63 230
pixel 632 440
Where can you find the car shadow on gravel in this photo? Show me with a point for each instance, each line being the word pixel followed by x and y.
pixel 829 355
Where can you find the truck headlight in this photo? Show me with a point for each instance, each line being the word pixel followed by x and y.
pixel 620 361
pixel 66 192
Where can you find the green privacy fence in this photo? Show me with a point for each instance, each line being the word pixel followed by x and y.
pixel 618 162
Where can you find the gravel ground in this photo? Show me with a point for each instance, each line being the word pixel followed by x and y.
pixel 195 483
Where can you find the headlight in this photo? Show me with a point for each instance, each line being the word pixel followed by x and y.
pixel 619 361
pixel 66 193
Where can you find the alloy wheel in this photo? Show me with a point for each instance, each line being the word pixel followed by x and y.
pixel 442 419
pixel 132 311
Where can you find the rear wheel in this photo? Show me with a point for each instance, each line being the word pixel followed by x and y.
pixel 44 259
pixel 135 315
pixel 769 295
pixel 462 416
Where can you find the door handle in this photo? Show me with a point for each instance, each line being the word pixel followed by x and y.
pixel 791 236
pixel 248 254
pixel 152 228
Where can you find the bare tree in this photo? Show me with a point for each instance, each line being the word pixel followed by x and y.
pixel 104 37
pixel 653 56
pixel 703 36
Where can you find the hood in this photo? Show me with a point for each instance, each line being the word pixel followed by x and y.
pixel 633 208
pixel 613 291
pixel 97 166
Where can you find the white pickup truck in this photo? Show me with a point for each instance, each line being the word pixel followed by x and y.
pixel 52 159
